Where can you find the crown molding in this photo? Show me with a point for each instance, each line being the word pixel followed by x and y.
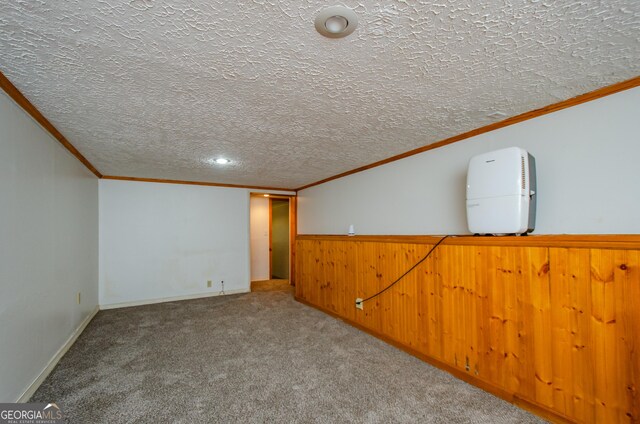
pixel 28 107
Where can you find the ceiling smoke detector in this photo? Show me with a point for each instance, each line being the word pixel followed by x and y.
pixel 336 21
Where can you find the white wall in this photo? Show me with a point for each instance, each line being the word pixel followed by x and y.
pixel 259 238
pixel 164 241
pixel 588 176
pixel 48 248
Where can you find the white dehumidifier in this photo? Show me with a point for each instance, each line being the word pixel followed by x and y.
pixel 501 192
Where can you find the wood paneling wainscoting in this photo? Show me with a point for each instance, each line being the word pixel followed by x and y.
pixel 551 323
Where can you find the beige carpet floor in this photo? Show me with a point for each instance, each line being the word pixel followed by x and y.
pixel 252 358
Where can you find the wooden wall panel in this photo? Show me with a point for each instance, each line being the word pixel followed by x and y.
pixel 429 308
pixel 535 335
pixel 615 315
pixel 571 353
pixel 551 327
pixel 401 325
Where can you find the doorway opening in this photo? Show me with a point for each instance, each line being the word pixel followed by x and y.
pixel 279 240
pixel 272 229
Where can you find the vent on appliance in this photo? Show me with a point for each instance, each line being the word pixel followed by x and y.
pixel 524 176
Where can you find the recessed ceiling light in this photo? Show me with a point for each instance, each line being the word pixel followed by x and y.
pixel 336 24
pixel 265 195
pixel 336 21
pixel 221 161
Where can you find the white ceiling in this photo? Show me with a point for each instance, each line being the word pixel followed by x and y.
pixel 149 88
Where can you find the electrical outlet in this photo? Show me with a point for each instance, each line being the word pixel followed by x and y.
pixel 78 298
pixel 208 283
pixel 359 304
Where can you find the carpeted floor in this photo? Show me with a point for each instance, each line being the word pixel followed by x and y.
pixel 252 358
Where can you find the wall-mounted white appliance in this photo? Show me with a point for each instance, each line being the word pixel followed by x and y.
pixel 501 192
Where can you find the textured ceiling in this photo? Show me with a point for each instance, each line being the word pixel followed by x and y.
pixel 149 88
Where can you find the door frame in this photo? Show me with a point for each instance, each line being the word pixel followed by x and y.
pixel 293 230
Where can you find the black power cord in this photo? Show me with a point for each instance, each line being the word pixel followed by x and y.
pixel 360 302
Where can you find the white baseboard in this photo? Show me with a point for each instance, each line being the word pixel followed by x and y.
pixel 56 358
pixel 171 299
